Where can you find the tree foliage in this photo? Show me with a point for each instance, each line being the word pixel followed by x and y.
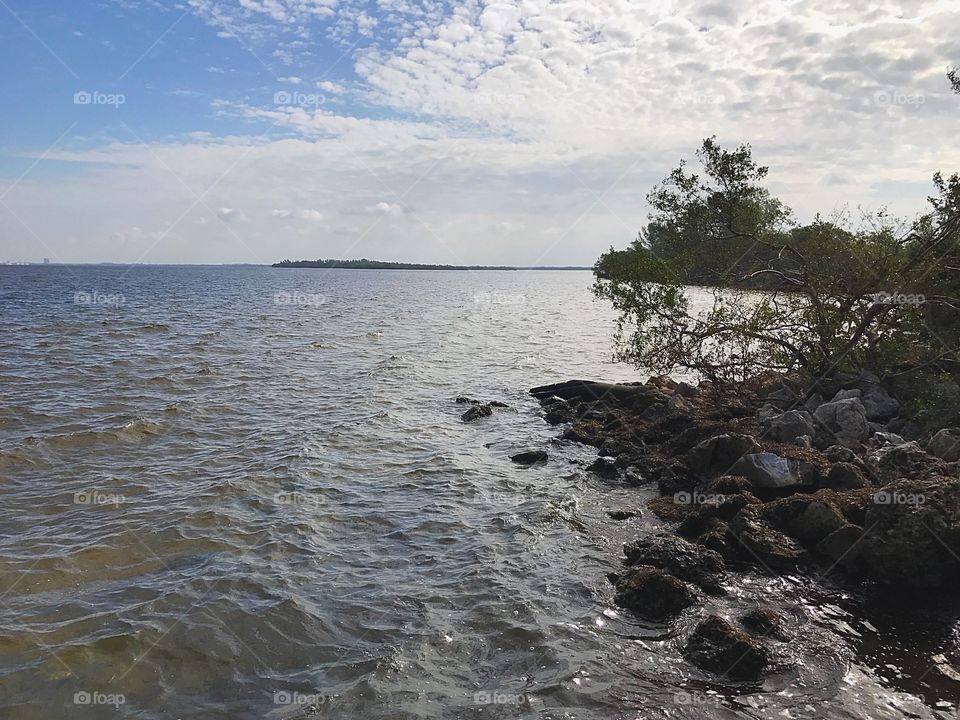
pixel 822 296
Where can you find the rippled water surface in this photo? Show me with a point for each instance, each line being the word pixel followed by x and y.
pixel 247 493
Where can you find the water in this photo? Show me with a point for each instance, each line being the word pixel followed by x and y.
pixel 247 493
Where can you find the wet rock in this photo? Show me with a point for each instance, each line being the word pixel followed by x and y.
pixel 557 410
pixel 763 545
pixel 682 559
pixel 945 444
pixel 909 460
pixel 653 592
pixel 586 432
pixel 718 647
pixel 771 473
pixel 529 457
pixel 633 476
pixel 477 412
pixel 716 455
pixel 716 536
pixel 461 400
pixel 845 420
pixel 765 623
pixel 498 404
pixel 808 518
pixel 605 467
pixel 842 545
pixel 788 426
pixel 620 515
pixel 844 476
pixel 914 533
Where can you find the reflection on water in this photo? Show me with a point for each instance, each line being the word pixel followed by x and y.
pixel 247 492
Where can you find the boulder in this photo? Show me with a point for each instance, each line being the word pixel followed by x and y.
pixel 881 438
pixel 718 647
pixel 909 460
pixel 764 622
pixel 771 473
pixel 684 560
pixel 879 405
pixel 761 544
pixel 914 533
pixel 477 412
pixel 652 592
pixel 845 420
pixel 686 390
pixel 839 453
pixel 851 394
pixel 945 444
pixel 529 457
pixel 842 546
pixel 844 476
pixel 788 426
pixel 557 410
pixel 605 467
pixel 619 515
pixel 716 455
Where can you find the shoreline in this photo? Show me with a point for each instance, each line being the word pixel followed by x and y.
pixel 827 482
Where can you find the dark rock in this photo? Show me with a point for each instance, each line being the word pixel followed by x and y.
pixel 716 455
pixel 844 476
pixel 476 412
pixel 763 545
pixel 588 433
pixel 605 467
pixel 839 453
pixel 945 444
pixel 878 404
pixel 465 400
pixel 557 410
pixel 842 545
pixel 498 404
pixel 716 537
pixel 622 514
pixel 529 457
pixel 718 647
pixel 633 476
pixel 685 560
pixel 808 518
pixel 771 473
pixel 765 623
pixel 653 592
pixel 913 536
pixel 788 426
pixel 687 390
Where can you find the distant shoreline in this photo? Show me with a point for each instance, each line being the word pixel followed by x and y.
pixel 365 264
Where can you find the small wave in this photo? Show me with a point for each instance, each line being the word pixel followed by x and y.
pixel 155 327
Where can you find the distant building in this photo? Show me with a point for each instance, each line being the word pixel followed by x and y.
pixel 46 261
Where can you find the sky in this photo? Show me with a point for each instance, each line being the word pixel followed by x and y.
pixel 527 133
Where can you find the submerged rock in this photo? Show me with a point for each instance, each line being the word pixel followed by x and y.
pixel 765 623
pixel 529 457
pixel 476 412
pixel 652 592
pixel 605 467
pixel 685 560
pixel 622 514
pixel 718 647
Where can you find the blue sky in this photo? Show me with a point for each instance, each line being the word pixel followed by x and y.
pixel 478 132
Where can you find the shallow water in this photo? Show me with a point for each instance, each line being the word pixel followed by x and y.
pixel 247 493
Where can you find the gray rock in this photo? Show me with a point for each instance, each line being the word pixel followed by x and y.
pixel 813 402
pixel 767 412
pixel 842 545
pixel 605 466
pixel 844 476
pixel 788 426
pixel 716 455
pixel 908 460
pixel 804 441
pixel 477 412
pixel 852 394
pixel 945 444
pixel 844 419
pixel 839 453
pixel 879 404
pixel 887 438
pixel 529 457
pixel 767 471
pixel 687 390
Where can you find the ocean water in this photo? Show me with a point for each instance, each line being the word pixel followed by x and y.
pixel 247 493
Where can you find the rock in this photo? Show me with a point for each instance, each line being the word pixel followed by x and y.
pixel 768 472
pixel 945 444
pixel 813 402
pixel 686 390
pixel 844 476
pixel 765 623
pixel 465 400
pixel 678 404
pixel 807 519
pixel 879 405
pixel 943 667
pixel 498 404
pixel 682 559
pixel 805 441
pixel 914 533
pixel 718 647
pixel 767 412
pixel 762 545
pixel 716 455
pixel 846 420
pixel 529 457
pixel 622 514
pixel 839 453
pixel 842 545
pixel 909 460
pixel 881 438
pixel 633 476
pixel 557 410
pixel 605 467
pixel 476 412
pixel 852 394
pixel 653 592
pixel 788 426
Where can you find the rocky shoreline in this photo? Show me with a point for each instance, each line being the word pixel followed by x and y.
pixel 786 477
